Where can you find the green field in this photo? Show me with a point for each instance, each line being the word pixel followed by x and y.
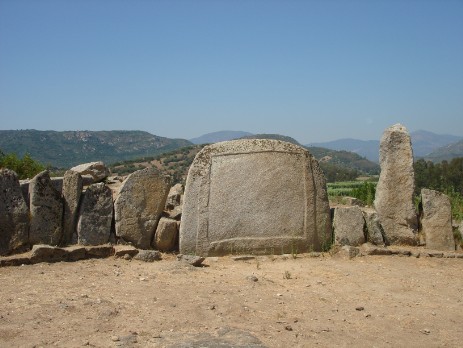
pixel 363 190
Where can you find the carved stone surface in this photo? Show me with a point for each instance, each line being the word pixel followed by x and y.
pixel 264 196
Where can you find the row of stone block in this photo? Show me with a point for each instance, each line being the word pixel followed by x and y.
pixel 355 226
pixel 88 216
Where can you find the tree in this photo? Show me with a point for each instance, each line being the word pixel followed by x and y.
pixel 25 167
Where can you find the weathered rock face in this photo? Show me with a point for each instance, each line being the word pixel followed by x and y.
pixel 72 190
pixel 263 196
pixel 95 215
pixel 174 202
pixel 139 205
pixel 436 221
pixel 96 170
pixel 174 197
pixel 348 226
pixel 166 234
pixel 24 184
pixel 394 193
pixel 14 214
pixel 374 228
pixel 46 207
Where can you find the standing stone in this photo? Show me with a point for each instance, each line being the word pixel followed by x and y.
pixel 254 195
pixel 436 220
pixel 72 190
pixel 348 226
pixel 166 234
pixel 97 171
pixel 14 214
pixel 373 227
pixel 95 215
pixel 139 205
pixel 394 193
pixel 46 207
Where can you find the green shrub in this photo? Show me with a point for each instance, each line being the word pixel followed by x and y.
pixel 25 167
pixel 365 192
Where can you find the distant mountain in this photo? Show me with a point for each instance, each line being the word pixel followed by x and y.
pixel 272 136
pixel 216 137
pixel 423 143
pixel 337 165
pixel 446 152
pixel 345 159
pixel 365 148
pixel 69 148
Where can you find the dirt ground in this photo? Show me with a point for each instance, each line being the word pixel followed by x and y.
pixel 371 301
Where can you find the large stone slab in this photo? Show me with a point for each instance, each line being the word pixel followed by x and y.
pixel 138 206
pixel 72 190
pixel 394 193
pixel 348 226
pixel 95 215
pixel 254 195
pixel 14 214
pixel 46 208
pixel 436 221
pixel 97 171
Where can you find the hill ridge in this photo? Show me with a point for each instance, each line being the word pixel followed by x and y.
pixel 65 149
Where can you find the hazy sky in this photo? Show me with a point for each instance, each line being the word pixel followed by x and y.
pixel 313 70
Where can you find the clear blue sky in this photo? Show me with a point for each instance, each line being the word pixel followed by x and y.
pixel 313 70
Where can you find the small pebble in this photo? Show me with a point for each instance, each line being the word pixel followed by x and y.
pixel 359 308
pixel 288 328
pixel 114 338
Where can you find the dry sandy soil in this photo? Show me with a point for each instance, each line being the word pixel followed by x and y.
pixel 371 301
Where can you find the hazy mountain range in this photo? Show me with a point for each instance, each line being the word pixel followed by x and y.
pixel 429 145
pixel 446 152
pixel 424 144
pixel 216 137
pixel 69 148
